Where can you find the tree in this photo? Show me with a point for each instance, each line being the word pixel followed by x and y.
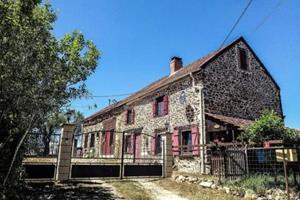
pixel 54 121
pixel 38 72
pixel 269 126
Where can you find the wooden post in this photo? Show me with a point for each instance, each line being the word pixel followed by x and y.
pixel 285 175
pixel 122 155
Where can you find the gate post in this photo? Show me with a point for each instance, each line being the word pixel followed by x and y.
pixel 167 154
pixel 64 153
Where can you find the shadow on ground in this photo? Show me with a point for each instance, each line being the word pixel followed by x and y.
pixel 70 191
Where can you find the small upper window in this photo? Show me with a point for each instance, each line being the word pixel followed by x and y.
pixel 130 116
pixel 243 59
pixel 159 106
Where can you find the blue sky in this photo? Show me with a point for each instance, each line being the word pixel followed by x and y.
pixel 137 38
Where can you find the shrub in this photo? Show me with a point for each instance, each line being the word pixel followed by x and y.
pixel 257 183
pixel 269 126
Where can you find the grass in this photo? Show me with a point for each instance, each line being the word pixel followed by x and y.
pixel 260 183
pixel 130 190
pixel 193 192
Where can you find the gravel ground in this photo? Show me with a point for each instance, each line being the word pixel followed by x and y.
pixel 158 192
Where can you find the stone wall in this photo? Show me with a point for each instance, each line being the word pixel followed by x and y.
pixel 184 109
pixel 231 91
pixel 181 95
pixel 189 164
pixel 227 90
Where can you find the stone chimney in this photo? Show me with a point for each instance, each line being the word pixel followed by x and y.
pixel 175 64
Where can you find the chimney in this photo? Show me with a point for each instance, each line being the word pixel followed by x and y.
pixel 175 64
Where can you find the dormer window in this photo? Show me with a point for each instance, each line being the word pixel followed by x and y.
pixel 129 116
pixel 243 59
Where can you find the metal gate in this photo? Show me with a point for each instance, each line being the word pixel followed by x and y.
pixel 228 163
pixel 112 154
pixel 41 156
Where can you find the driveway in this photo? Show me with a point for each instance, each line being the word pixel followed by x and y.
pixel 158 192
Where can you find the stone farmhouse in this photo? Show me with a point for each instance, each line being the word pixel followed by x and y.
pixel 209 100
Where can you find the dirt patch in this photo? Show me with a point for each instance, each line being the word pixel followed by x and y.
pixel 159 193
pixel 194 192
pixel 74 191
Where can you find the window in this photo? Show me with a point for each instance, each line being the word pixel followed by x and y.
pixel 86 137
pixel 111 139
pixel 92 142
pixel 243 59
pixel 186 142
pixel 160 106
pixel 107 142
pixel 128 145
pixel 129 116
pixel 158 145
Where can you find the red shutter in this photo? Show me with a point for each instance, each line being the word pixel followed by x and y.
pixel 165 105
pixel 175 142
pixel 154 108
pixel 132 143
pixel 133 115
pixel 195 140
pixel 153 144
pixel 106 144
pixel 126 117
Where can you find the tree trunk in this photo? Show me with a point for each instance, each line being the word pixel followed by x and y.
pixel 17 150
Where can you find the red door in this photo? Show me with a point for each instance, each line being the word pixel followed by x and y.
pixel 137 146
pixel 106 143
pixel 107 147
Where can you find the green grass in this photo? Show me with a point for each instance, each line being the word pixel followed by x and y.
pixel 194 192
pixel 257 183
pixel 130 190
pixel 260 183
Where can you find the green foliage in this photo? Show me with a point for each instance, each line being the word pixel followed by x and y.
pixel 39 74
pixel 257 183
pixel 269 126
pixel 53 123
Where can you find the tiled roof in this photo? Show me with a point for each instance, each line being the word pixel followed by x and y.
pixel 238 122
pixel 184 71
pixel 181 73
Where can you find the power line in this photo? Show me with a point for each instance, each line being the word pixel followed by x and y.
pixel 111 95
pixel 236 23
pixel 280 2
pixel 91 96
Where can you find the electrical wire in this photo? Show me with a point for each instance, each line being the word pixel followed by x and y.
pixel 280 2
pixel 236 23
pixel 111 95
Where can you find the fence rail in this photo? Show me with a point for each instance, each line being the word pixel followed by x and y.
pixel 233 163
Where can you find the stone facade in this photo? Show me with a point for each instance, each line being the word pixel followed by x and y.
pixel 231 91
pixel 188 164
pixel 184 109
pixel 218 87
